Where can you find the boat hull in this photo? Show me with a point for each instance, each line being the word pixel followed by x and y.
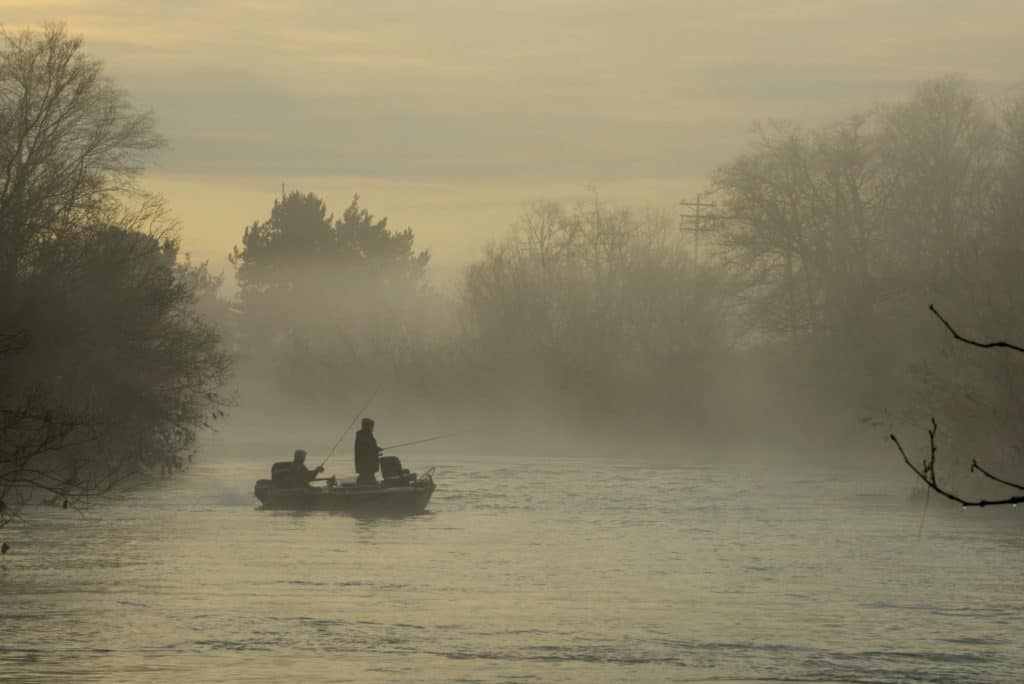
pixel 371 499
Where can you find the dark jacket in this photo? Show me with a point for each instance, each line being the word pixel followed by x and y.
pixel 300 474
pixel 367 453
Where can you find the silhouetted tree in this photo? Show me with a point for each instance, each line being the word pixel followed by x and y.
pixel 106 369
pixel 319 296
pixel 71 142
pixel 598 305
pixel 843 234
pixel 805 227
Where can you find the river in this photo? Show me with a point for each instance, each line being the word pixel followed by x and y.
pixel 525 569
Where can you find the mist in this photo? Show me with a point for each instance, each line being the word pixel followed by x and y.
pixel 573 342
pixel 793 311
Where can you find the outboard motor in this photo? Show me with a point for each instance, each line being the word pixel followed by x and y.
pixel 278 478
pixel 279 473
pixel 390 466
pixel 263 491
pixel 393 473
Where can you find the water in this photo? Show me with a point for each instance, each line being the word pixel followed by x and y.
pixel 525 570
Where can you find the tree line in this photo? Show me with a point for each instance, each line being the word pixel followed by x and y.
pixel 807 311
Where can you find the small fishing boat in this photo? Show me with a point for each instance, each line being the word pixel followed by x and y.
pixel 399 493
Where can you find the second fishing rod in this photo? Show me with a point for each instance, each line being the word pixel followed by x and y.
pixel 354 419
pixel 423 441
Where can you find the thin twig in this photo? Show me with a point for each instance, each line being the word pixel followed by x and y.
pixel 974 343
pixel 927 475
pixel 977 466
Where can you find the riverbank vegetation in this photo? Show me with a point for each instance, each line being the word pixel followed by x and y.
pixel 107 369
pixel 802 321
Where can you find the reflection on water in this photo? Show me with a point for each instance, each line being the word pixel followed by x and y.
pixel 529 570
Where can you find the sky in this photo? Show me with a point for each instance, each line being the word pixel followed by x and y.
pixel 448 115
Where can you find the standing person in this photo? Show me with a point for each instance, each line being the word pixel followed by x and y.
pixel 367 454
pixel 299 473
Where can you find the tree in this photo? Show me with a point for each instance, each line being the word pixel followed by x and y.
pixel 320 296
pixel 940 154
pixel 301 253
pixel 107 370
pixel 128 392
pixel 843 234
pixel 807 227
pixel 834 225
pixel 600 306
pixel 968 253
pixel 976 205
pixel 72 143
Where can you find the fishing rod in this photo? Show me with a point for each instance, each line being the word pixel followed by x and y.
pixel 354 419
pixel 428 439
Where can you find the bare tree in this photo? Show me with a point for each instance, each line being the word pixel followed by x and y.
pixel 806 224
pixel 926 471
pixel 600 305
pixel 71 141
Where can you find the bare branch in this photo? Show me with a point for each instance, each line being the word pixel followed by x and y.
pixel 926 473
pixel 973 343
pixel 977 466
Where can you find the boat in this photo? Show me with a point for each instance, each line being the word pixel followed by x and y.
pixel 398 493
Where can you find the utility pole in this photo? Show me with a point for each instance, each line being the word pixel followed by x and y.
pixel 698 227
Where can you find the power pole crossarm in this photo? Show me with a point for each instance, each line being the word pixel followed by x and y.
pixel 698 226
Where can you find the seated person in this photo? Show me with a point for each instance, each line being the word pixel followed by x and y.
pixel 300 475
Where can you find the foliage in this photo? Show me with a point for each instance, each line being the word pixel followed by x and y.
pixel 71 143
pixel 845 234
pixel 107 369
pixel 320 298
pixel 602 305
pixel 806 312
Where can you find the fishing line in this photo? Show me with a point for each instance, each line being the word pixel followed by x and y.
pixel 428 439
pixel 354 419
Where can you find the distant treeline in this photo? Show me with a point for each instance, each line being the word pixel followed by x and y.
pixel 806 313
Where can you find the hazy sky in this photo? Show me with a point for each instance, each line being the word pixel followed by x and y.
pixel 446 115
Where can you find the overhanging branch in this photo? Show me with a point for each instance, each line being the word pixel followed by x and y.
pixel 973 343
pixel 926 473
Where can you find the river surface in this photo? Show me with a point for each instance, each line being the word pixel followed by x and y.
pixel 525 569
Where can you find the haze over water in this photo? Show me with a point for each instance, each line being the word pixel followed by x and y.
pixel 529 567
pixel 671 463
